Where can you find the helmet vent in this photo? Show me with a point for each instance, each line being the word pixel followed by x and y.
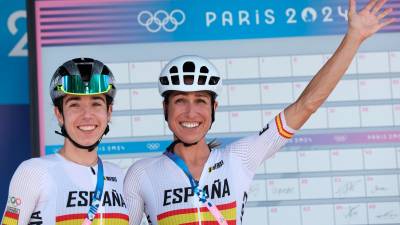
pixel 86 71
pixel 202 80
pixel 189 73
pixel 105 71
pixel 189 67
pixel 203 69
pixel 188 79
pixel 62 71
pixel 173 69
pixel 213 80
pixel 164 80
pixel 175 80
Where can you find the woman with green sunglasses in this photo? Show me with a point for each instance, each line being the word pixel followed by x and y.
pixel 72 186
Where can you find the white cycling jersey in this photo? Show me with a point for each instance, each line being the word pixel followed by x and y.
pixel 52 190
pixel 158 187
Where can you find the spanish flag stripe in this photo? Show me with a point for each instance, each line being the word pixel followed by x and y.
pixel 70 217
pixel 220 207
pixel 176 212
pixel 194 210
pixel 230 222
pixel 101 221
pixel 281 129
pixel 9 221
pixel 179 219
pixel 11 215
pixel 83 216
pixel 229 214
pixel 187 218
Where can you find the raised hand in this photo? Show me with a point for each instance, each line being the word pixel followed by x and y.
pixel 369 20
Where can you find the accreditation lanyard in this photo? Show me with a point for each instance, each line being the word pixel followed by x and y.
pixel 97 195
pixel 203 198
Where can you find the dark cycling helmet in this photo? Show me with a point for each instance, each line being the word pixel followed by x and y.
pixel 82 76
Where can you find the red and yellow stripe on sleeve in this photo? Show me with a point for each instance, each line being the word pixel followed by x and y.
pixel 100 219
pixel 281 129
pixel 10 218
pixel 190 216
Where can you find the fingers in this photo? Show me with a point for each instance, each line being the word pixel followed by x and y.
pixel 370 4
pixel 378 6
pixel 352 6
pixel 384 13
pixel 387 22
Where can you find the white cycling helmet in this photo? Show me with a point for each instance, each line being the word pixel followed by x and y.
pixel 189 73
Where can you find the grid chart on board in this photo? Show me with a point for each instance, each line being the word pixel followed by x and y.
pixel 257 88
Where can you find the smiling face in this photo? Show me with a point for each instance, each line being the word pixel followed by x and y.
pixel 85 117
pixel 189 115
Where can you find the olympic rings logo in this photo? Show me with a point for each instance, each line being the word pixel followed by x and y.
pixel 14 201
pixel 169 22
pixel 153 146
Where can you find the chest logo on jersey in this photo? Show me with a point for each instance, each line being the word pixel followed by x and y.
pixel 85 198
pixel 219 189
pixel 112 179
pixel 216 166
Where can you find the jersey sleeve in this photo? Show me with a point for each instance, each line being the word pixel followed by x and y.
pixel 253 150
pixel 24 193
pixel 132 189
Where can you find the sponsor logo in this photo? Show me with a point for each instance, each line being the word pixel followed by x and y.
pixel 161 20
pixel 216 166
pixel 112 179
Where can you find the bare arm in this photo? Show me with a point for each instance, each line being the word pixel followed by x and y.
pixel 361 25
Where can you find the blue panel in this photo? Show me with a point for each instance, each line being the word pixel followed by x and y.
pixel 14 143
pixel 13 53
pixel 14 128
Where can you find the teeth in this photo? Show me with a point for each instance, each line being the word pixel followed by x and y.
pixel 87 128
pixel 190 124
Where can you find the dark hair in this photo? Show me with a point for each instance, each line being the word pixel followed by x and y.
pixel 214 143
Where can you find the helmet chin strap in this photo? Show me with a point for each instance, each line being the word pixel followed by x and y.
pixel 188 145
pixel 76 144
pixel 171 147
